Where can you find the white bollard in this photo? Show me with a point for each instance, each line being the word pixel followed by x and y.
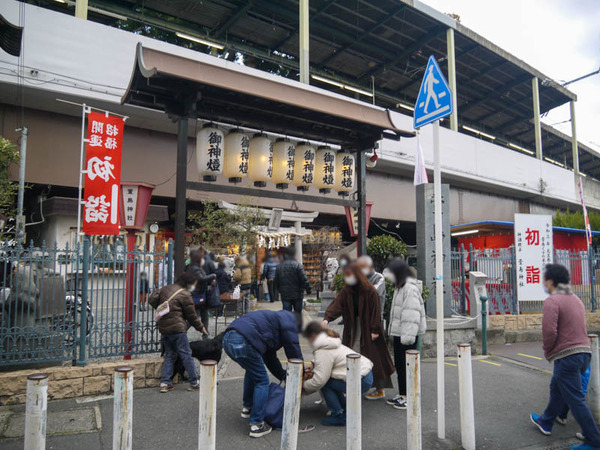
pixel 123 408
pixel 353 403
pixel 207 417
pixel 291 407
pixel 413 397
pixel 465 389
pixel 593 393
pixel 35 411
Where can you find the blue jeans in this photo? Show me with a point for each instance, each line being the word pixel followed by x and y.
pixel 256 378
pixel 295 303
pixel 566 390
pixel 334 390
pixel 177 344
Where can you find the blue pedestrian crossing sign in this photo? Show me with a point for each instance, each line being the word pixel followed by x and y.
pixel 435 98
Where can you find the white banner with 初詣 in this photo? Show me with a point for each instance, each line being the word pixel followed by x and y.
pixel 534 249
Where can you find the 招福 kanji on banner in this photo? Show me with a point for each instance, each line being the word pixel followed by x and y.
pixel 102 174
pixel 534 248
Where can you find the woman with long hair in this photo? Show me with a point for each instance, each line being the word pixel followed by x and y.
pixel 203 280
pixel 359 306
pixel 407 321
pixel 329 371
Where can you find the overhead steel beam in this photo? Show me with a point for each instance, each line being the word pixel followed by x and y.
pixel 430 36
pixel 313 16
pixel 498 92
pixel 260 193
pixel 225 26
pixel 363 35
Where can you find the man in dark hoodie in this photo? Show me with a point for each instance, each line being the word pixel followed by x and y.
pixel 253 341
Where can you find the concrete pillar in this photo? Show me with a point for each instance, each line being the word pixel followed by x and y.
pixel 536 118
pixel 298 243
pixel 304 42
pixel 452 77
pixel 353 402
pixel 81 9
pixel 574 139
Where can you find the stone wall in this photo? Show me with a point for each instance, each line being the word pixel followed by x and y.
pixel 70 381
pixel 534 322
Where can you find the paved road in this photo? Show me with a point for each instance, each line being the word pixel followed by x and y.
pixel 504 392
pixel 529 353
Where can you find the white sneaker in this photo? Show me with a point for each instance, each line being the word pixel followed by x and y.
pixel 580 436
pixel 245 413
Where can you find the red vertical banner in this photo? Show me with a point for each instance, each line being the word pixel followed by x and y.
pixel 102 174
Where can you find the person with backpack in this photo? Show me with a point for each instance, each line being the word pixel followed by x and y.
pixel 252 341
pixel 173 319
pixel 329 371
pixel 566 344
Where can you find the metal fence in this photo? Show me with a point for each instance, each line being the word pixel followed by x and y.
pixel 70 304
pixel 499 265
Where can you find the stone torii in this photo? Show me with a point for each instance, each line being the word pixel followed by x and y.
pixel 278 215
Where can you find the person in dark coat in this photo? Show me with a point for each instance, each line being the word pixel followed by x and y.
pixel 209 266
pixel 143 291
pixel 358 303
pixel 203 280
pixel 269 269
pixel 253 341
pixel 291 281
pixel 174 325
pixel 223 278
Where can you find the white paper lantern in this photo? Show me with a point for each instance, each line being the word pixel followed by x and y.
pixel 209 152
pixel 260 160
pixel 344 173
pixel 325 169
pixel 236 155
pixel 304 166
pixel 284 153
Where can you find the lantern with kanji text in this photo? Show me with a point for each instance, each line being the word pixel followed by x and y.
pixel 304 166
pixel 260 159
pixel 237 146
pixel 209 152
pixel 344 173
pixel 284 153
pixel 324 169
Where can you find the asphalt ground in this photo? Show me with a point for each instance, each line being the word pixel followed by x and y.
pixel 507 388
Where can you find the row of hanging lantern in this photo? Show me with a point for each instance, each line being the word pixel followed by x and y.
pixel 237 156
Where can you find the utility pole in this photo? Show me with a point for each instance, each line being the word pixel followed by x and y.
pixel 21 192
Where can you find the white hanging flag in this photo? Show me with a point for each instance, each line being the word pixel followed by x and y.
pixel 420 170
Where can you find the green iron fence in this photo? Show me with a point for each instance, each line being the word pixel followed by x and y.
pixel 69 304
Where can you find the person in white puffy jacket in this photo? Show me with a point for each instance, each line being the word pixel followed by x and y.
pixel 407 321
pixel 329 371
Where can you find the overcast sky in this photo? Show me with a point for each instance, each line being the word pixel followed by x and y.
pixel 561 38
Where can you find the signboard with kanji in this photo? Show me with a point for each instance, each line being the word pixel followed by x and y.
pixel 102 174
pixel 533 250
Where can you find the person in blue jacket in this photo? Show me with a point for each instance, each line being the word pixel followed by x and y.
pixel 268 273
pixel 253 341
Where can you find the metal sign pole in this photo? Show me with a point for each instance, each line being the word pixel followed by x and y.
pixel 84 110
pixel 439 281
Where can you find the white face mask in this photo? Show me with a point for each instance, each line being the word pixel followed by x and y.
pixel 191 287
pixel 366 272
pixel 202 261
pixel 389 276
pixel 343 263
pixel 350 281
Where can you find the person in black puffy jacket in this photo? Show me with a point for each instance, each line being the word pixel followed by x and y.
pixel 291 281
pixel 203 281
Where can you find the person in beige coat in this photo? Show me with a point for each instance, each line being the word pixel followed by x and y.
pixel 329 371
